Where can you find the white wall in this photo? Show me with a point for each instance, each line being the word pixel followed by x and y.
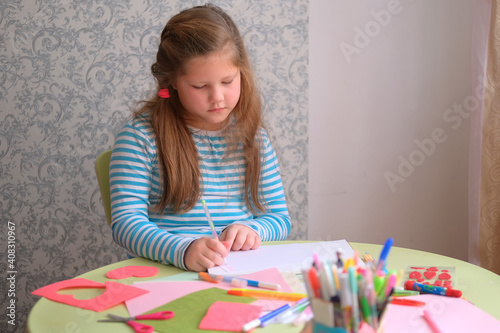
pixel 369 106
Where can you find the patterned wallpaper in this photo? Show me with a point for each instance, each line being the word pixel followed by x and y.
pixel 70 73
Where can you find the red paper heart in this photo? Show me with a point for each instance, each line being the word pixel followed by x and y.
pixel 433 269
pixel 115 293
pixel 415 275
pixel 429 274
pixel 444 276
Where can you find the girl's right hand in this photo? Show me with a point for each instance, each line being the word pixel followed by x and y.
pixel 204 253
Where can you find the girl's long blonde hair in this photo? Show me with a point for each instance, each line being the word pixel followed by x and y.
pixel 191 33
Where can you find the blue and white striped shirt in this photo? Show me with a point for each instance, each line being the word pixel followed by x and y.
pixel 135 190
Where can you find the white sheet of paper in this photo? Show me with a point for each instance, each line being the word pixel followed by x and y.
pixel 285 257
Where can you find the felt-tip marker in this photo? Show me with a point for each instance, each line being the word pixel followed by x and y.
pixel 264 319
pixel 401 292
pixel 432 323
pixel 353 284
pixel 293 311
pixel 236 281
pixel 408 302
pixel 267 294
pixel 383 255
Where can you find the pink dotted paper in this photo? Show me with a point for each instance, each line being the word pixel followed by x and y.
pixel 433 275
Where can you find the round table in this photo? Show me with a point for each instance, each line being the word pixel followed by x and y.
pixel 479 286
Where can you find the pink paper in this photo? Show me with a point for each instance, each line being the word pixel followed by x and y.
pixel 269 275
pixel 450 313
pixel 163 292
pixel 365 328
pixel 132 271
pixel 114 294
pixel 227 316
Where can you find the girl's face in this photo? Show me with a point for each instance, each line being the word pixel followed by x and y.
pixel 209 90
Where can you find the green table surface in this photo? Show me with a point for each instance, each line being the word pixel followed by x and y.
pixel 479 286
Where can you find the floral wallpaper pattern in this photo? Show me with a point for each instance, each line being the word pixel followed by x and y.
pixel 70 74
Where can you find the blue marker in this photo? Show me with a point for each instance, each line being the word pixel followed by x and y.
pixel 292 312
pixel 383 255
pixel 262 321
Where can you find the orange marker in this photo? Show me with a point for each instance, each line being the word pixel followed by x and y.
pixel 314 280
pixel 267 294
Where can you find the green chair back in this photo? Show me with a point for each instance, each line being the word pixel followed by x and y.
pixel 102 173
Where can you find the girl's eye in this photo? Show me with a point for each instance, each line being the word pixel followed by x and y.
pixel 199 87
pixel 227 82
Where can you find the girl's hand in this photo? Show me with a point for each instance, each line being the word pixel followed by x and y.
pixel 205 253
pixel 241 237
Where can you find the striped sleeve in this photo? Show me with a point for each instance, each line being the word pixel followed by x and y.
pixel 130 184
pixel 275 223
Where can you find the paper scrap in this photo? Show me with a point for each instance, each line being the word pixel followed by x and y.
pixel 452 314
pixel 114 294
pixel 162 291
pixel 228 316
pixel 190 310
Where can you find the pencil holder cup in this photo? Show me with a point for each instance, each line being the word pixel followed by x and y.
pixel 320 328
pixel 364 328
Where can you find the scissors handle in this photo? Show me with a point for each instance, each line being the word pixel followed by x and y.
pixel 140 328
pixel 156 316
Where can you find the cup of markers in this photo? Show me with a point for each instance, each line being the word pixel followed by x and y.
pixel 347 296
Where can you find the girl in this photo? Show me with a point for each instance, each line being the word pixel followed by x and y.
pixel 201 138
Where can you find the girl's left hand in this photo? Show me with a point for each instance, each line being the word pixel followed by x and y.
pixel 240 237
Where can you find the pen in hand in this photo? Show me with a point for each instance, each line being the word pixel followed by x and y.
pixel 211 223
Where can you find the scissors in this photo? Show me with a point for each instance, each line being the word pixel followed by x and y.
pixel 138 327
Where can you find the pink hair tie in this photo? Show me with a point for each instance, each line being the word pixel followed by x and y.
pixel 164 93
